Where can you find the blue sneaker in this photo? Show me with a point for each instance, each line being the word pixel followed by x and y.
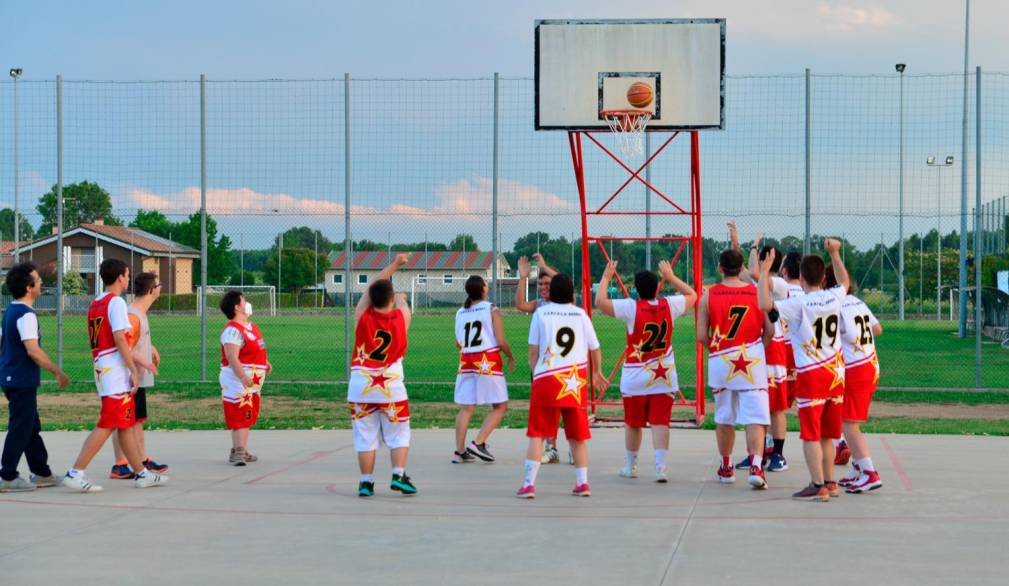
pixel 403 485
pixel 122 472
pixel 365 488
pixel 743 464
pixel 777 463
pixel 155 467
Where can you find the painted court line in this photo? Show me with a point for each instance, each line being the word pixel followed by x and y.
pixel 897 464
pixel 315 456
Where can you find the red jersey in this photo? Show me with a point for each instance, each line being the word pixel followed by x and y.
pixel 653 331
pixel 735 347
pixel 100 327
pixel 252 351
pixel 379 339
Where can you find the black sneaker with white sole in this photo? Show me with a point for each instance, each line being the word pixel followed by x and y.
pixel 463 457
pixel 480 451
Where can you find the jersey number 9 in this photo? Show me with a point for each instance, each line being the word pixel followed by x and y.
pixel 565 338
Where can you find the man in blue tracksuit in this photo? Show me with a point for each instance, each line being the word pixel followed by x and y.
pixel 21 358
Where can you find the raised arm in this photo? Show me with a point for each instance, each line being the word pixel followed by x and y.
pixel 404 307
pixel 603 302
pixel 520 303
pixel 502 341
pixel 544 267
pixel 833 247
pixel 764 284
pixel 387 272
pixel 753 262
pixel 689 295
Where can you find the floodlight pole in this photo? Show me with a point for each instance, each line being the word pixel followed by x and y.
pixel 900 175
pixel 809 159
pixel 15 74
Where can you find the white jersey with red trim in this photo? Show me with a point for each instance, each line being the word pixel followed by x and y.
pixel 857 321
pixel 565 336
pixel 474 328
pixel 814 328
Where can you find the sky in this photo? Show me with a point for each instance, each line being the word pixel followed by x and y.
pixel 420 154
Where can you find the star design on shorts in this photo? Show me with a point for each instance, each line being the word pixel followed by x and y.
pixel 392 411
pixel 836 368
pixel 379 381
pixel 245 400
pixel 740 364
pixel 462 363
pixel 359 411
pixel 485 366
pixel 360 355
pixel 572 382
pixel 660 372
pixel 636 353
pixel 716 338
pixel 257 379
pixel 810 348
pixel 548 356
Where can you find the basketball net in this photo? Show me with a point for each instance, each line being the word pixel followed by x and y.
pixel 629 127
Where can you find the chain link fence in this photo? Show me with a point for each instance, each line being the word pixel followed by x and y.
pixel 451 171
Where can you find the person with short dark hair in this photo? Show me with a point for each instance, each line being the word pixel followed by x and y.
pixel 116 379
pixel 146 290
pixel 21 358
pixel 648 382
pixel 244 366
pixel 379 405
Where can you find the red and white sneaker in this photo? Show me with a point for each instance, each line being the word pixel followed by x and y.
pixel 726 475
pixel 842 454
pixel 526 492
pixel 582 490
pixel 869 481
pixel 756 478
pixel 851 477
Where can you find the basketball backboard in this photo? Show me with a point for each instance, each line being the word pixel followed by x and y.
pixel 585 67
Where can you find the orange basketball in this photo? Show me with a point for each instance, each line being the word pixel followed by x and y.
pixel 640 94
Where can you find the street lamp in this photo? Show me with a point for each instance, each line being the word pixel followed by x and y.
pixel 932 162
pixel 900 256
pixel 15 73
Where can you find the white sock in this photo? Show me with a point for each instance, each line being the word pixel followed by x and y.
pixel 531 469
pixel 74 473
pixel 660 457
pixel 756 460
pixel 630 458
pixel 865 464
pixel 837 442
pixel 367 478
pixel 581 475
pixel 398 471
pixel 142 473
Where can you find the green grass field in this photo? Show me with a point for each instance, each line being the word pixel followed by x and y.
pixel 913 354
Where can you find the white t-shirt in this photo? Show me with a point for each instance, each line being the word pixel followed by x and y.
pixel 231 335
pixel 626 309
pixel 28 325
pixel 813 326
pixel 119 320
pixel 564 334
pixel 857 321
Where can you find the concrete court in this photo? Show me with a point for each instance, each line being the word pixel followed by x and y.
pixel 293 518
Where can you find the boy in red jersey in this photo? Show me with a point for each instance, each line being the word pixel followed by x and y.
pixel 116 379
pixel 379 406
pixel 648 380
pixel 813 324
pixel 244 367
pixel 731 323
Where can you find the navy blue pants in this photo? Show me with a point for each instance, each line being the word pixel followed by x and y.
pixel 23 434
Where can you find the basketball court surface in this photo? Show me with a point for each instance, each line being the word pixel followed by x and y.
pixel 294 517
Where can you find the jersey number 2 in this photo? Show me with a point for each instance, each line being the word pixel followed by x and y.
pixel 384 340
pixel 656 336
pixel 471 334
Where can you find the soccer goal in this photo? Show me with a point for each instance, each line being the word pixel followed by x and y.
pixel 262 297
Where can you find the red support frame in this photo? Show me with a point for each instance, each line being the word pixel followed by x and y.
pixel 597 397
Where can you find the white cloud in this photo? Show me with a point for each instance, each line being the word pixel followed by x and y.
pixel 848 18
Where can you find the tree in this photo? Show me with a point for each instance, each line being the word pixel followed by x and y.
pixel 464 242
pixel 220 264
pixel 7 226
pixel 73 284
pixel 83 203
pixel 299 268
pixel 305 237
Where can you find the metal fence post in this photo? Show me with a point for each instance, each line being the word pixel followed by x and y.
pixel 347 242
pixel 494 189
pixel 203 227
pixel 978 258
pixel 900 175
pixel 962 327
pixel 809 154
pixel 59 220
pixel 17 182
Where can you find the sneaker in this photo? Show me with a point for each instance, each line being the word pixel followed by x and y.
pixel 660 475
pixel 526 492
pixel 44 481
pixel 365 489
pixel 248 456
pixel 869 481
pixel 402 484
pixel 80 483
pixel 155 467
pixel 852 476
pixel 237 457
pixel 629 471
pixel 550 456
pixel 463 457
pixel 756 478
pixel 842 454
pixel 17 485
pixel 582 490
pixel 150 480
pixel 812 493
pixel 832 489
pixel 776 463
pixel 122 472
pixel 743 464
pixel 480 451
pixel 726 475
